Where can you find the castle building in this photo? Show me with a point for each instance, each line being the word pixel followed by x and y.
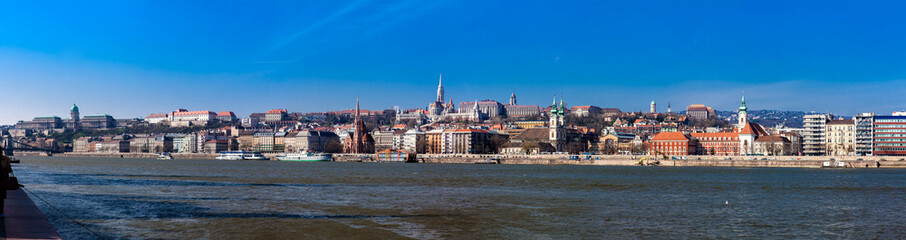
pixel 73 122
pixel 486 109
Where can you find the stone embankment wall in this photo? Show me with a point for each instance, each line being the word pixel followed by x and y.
pixel 619 160
pixel 138 155
pixel 610 160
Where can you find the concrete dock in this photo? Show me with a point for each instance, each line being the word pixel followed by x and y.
pixel 24 220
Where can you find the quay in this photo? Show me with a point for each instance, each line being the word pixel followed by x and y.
pixel 604 160
pixel 624 160
pixel 24 220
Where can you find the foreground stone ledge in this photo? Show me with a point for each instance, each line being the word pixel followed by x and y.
pixel 24 220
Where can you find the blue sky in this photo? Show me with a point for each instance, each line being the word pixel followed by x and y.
pixel 132 58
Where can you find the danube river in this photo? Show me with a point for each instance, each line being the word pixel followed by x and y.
pixel 210 199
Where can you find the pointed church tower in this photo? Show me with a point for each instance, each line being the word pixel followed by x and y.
pixel 440 89
pixel 513 99
pixel 475 115
pixel 743 115
pixel 357 134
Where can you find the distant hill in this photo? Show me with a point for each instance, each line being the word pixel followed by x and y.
pixel 767 118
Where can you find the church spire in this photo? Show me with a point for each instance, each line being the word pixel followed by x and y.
pixel 440 89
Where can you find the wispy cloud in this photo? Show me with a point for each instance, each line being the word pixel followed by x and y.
pixel 320 23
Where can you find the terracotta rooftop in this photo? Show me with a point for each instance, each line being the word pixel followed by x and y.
pixel 193 113
pixel 276 111
pixel 771 139
pixel 156 115
pixel 753 128
pixel 669 136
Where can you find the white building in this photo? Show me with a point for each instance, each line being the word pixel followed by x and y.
pixel 156 118
pixel 813 137
pixel 414 141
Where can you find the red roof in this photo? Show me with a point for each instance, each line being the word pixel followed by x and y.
pixel 156 115
pixel 276 111
pixel 193 113
pixel 670 136
pixel 753 128
pixel 771 139
pixel 226 114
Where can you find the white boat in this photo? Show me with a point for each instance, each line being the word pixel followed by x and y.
pixel 488 161
pixel 834 164
pixel 305 156
pixel 240 155
pixel 164 156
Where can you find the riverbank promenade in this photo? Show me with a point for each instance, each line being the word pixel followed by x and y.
pixel 24 220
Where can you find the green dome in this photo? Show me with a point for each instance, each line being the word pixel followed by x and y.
pixel 74 108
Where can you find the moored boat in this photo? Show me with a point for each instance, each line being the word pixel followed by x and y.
pixel 393 155
pixel 164 156
pixel 488 161
pixel 240 155
pixel 305 157
pixel 833 164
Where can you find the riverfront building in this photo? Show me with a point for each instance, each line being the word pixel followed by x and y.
pixel 814 143
pixel 863 134
pixel 672 144
pixel 889 135
pixel 839 137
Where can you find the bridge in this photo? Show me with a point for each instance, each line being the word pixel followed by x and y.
pixel 10 145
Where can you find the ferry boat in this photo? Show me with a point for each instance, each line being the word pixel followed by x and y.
pixel 164 156
pixel 305 157
pixel 392 155
pixel 240 155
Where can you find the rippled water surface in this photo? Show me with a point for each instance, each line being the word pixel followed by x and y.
pixel 210 199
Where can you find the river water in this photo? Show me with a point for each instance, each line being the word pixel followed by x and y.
pixel 210 199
